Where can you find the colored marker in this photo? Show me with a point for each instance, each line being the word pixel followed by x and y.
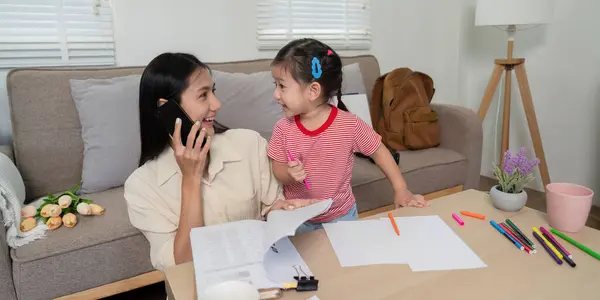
pixel 458 220
pixel 565 257
pixel 518 231
pixel 555 242
pixel 394 223
pixel 507 230
pixel 576 244
pixel 548 243
pixel 292 159
pixel 506 234
pixel 472 215
pixel 539 238
pixel 515 235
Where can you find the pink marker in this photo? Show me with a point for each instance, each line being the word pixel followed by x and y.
pixel 292 159
pixel 458 220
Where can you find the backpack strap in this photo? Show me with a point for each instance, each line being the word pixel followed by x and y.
pixel 428 85
pixel 375 106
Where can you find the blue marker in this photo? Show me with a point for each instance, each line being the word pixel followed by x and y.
pixel 506 234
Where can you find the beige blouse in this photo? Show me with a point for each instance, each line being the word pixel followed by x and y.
pixel 240 185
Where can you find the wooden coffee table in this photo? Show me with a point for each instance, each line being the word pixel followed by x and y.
pixel 511 274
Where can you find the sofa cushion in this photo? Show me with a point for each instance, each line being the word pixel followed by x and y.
pixel 46 130
pixel 110 128
pixel 425 171
pixel 97 251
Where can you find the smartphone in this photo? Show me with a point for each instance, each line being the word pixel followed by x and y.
pixel 168 113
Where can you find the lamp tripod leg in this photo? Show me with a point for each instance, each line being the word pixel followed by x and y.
pixel 534 129
pixel 506 114
pixel 490 90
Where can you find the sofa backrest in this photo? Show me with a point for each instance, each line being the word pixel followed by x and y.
pixel 48 146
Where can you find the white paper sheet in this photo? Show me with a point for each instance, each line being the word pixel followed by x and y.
pixel 240 250
pixel 282 223
pixel 282 261
pixel 367 242
pixel 425 244
pixel 435 246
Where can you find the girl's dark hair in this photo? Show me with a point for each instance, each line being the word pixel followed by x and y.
pixel 166 76
pixel 296 58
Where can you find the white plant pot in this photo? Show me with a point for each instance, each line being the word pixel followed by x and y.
pixel 507 202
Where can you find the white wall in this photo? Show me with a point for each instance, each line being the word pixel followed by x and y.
pixel 563 66
pixel 405 33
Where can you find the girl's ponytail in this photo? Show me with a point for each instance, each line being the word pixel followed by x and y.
pixel 341 104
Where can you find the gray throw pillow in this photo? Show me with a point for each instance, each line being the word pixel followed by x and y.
pixel 247 99
pixel 108 113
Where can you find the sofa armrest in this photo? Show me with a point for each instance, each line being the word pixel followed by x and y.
pixel 7 287
pixel 7 150
pixel 462 131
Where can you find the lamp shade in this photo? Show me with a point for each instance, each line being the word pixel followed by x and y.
pixel 513 12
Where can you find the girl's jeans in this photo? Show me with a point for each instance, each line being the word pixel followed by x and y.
pixel 351 215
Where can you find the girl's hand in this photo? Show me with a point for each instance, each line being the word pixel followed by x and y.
pixel 191 160
pixel 408 199
pixel 296 170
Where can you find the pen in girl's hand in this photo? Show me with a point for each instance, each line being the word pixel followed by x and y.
pixel 292 159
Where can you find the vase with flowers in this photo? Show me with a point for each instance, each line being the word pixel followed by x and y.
pixel 516 171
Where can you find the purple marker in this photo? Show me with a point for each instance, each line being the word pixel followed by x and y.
pixel 556 242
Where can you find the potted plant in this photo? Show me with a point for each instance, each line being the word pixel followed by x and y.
pixel 515 173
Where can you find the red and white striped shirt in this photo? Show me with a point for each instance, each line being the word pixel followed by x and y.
pixel 328 157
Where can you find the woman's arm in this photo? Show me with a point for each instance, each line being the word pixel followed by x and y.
pixel 191 216
pixel 192 162
pixel 149 213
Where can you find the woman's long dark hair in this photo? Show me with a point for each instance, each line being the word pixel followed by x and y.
pixel 166 76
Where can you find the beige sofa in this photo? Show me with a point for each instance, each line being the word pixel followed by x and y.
pixel 48 151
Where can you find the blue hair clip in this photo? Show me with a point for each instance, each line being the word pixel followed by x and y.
pixel 316 68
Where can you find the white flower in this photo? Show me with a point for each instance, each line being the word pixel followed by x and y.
pixel 28 211
pixel 84 209
pixel 64 201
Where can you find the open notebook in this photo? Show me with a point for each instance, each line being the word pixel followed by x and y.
pixel 251 250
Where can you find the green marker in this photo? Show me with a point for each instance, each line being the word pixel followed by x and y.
pixel 576 244
pixel 511 224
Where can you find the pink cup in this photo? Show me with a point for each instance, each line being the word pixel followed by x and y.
pixel 568 206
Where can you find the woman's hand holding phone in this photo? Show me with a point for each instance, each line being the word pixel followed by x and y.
pixel 191 160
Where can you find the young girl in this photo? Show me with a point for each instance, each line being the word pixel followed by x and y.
pixel 312 148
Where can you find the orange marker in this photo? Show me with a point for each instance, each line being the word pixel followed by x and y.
pixel 394 223
pixel 473 215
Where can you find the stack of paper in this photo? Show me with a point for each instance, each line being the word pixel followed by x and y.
pixel 255 251
pixel 425 244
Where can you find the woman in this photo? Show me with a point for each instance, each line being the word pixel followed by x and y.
pixel 178 187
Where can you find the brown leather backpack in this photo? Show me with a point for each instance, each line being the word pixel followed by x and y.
pixel 400 110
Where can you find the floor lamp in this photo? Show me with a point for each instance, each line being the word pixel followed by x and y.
pixel 511 15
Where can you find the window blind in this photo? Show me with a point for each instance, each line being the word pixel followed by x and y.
pixel 342 24
pixel 56 33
